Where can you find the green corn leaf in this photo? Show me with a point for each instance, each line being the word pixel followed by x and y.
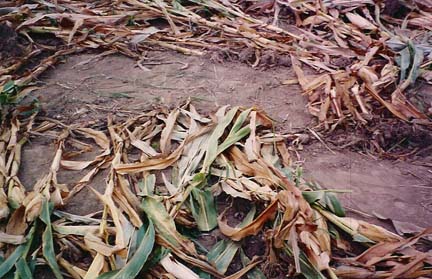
pixel 155 257
pixel 136 263
pixel 203 209
pixel 202 274
pixel 417 60
pixel 327 199
pixel 147 185
pixel 405 61
pixel 20 252
pixel 23 270
pixel 361 238
pixel 237 132
pixel 313 196
pixel 9 86
pixel 135 242
pixel 232 139
pixel 307 269
pixel 177 6
pixel 108 275
pixel 239 122
pixel 248 219
pixel 199 180
pixel 9 263
pixel 222 254
pixel 47 240
pixel 411 58
pixel 333 203
pixel 164 224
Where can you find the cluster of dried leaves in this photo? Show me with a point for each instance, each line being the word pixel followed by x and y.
pixel 164 170
pixel 364 59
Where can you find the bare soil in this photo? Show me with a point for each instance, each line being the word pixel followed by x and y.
pixel 84 89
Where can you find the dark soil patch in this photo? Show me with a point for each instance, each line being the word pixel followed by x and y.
pixel 386 138
pixel 10 45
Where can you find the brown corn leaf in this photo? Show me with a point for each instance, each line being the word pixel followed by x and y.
pixel 165 141
pixel 96 244
pixel 404 271
pixel 350 272
pixel 99 137
pixel 11 238
pixel 151 164
pixel 360 21
pixel 253 228
pixel 384 248
pixel 17 224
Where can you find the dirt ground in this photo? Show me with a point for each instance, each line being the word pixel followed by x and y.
pixel 83 90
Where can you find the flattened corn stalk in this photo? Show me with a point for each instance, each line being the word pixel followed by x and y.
pixel 150 227
pixel 324 31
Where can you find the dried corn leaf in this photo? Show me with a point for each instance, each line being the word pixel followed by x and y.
pixel 177 269
pixel 96 267
pixel 384 248
pixel 212 145
pixel 252 228
pixel 360 21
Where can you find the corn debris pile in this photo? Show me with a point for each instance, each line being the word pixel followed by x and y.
pixel 166 173
pixel 366 54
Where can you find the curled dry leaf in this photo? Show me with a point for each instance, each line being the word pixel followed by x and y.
pixel 251 229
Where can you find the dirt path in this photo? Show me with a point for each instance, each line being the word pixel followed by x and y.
pixel 396 190
pixel 170 78
pixel 77 92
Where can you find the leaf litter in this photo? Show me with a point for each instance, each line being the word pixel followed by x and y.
pixel 157 203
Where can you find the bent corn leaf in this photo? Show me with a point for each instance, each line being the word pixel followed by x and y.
pixel 222 254
pixel 136 263
pixel 9 263
pixel 23 270
pixel 47 241
pixel 251 229
pixel 212 148
pixel 203 209
pixel 165 226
